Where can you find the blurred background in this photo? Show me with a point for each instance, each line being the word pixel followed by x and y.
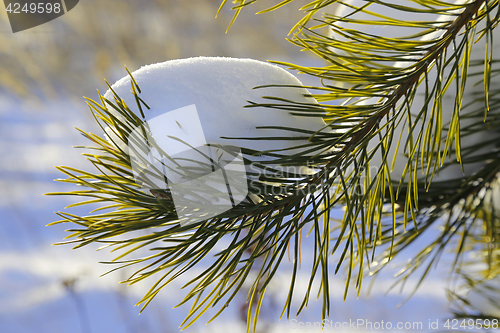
pixel 44 74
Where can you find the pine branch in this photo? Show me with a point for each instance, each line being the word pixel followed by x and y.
pixel 380 212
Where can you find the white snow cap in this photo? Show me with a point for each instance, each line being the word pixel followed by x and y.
pixel 220 88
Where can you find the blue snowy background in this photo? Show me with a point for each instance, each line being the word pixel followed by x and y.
pixel 44 74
